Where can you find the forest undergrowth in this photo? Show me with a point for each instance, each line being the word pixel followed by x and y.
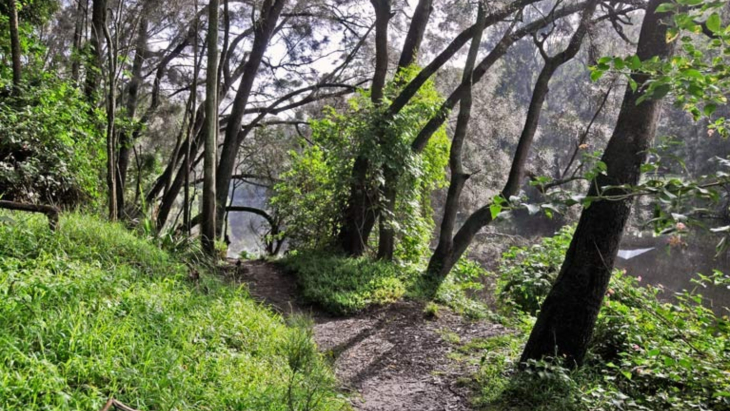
pixel 92 311
pixel 650 351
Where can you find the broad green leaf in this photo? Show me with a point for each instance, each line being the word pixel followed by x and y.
pixel 665 7
pixel 714 23
pixel 494 210
pixel 596 74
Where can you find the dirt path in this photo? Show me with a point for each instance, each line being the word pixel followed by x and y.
pixel 390 358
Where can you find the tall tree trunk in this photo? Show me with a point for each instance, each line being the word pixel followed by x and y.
pixel 78 39
pixel 191 130
pixel 387 241
pixel 446 255
pixel 411 46
pixel 412 43
pixel 361 209
pixel 270 12
pixel 567 317
pixel 15 45
pixel 382 17
pixel 94 69
pixel 499 50
pixel 125 139
pixel 208 225
pixel 458 176
pixel 111 108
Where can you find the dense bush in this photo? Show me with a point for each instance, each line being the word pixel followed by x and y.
pixel 314 190
pixel 527 273
pixel 646 354
pixel 346 285
pixel 49 151
pixel 92 311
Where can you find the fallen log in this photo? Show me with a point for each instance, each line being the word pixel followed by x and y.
pixel 50 211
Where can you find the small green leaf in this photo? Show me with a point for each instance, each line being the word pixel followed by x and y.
pixel 494 210
pixel 633 84
pixel 693 73
pixel 596 74
pixel 665 7
pixel 714 24
pixel 634 62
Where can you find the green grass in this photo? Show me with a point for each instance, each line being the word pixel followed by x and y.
pixel 343 285
pixel 346 285
pixel 92 311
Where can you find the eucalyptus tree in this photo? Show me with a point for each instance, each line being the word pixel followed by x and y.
pixel 265 84
pixel 568 314
pixel 14 44
pixel 365 202
pixel 450 249
pixel 210 130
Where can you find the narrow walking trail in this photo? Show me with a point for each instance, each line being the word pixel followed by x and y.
pixel 387 358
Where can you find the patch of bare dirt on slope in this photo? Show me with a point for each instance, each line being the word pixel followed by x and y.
pixel 389 358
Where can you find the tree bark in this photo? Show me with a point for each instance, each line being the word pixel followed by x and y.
pixel 270 12
pixel 50 211
pixel 361 209
pixel 421 140
pixel 208 225
pixel 191 129
pixel 448 254
pixel 458 176
pixel 94 69
pixel 382 17
pixel 78 37
pixel 15 45
pixel 111 137
pixel 567 317
pixel 125 140
pixel 412 43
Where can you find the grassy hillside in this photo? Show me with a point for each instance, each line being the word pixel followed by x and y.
pixel 92 311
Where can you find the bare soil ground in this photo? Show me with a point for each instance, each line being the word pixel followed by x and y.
pixel 388 358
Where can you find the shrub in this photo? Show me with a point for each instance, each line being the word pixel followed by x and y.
pixel 455 291
pixel 93 311
pixel 49 151
pixel 315 189
pixel 345 285
pixel 527 273
pixel 646 354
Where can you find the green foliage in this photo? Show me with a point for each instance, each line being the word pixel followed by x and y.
pixel 346 285
pixel 92 311
pixel 697 76
pixel 32 12
pixel 646 354
pixel 310 195
pixel 527 273
pixel 455 291
pixel 49 151
pixel 315 189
